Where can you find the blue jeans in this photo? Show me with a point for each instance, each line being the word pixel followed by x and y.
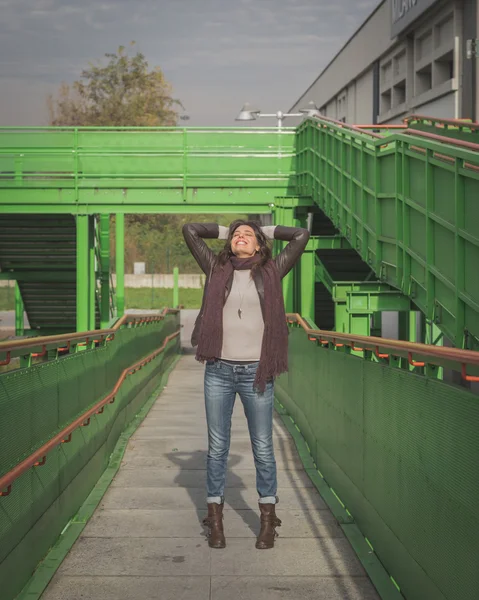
pixel 222 382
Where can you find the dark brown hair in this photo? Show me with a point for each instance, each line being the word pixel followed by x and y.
pixel 264 247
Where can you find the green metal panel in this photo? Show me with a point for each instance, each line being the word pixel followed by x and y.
pixel 91 275
pixel 176 287
pixel 105 309
pixel 120 263
pixel 400 450
pixel 19 310
pixel 83 268
pixel 36 403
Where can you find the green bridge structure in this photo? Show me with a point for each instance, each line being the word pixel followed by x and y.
pixel 377 438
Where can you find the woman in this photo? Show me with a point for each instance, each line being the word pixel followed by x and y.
pixel 241 334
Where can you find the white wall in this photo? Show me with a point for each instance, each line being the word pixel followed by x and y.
pixel 364 99
pixel 439 107
pixel 147 281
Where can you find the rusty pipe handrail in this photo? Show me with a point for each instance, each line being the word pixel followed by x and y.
pixel 454 122
pixel 403 131
pixel 347 126
pixel 442 138
pixel 380 126
pixel 456 355
pixel 50 340
pixel 38 457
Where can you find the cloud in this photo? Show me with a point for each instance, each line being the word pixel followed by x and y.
pixel 224 50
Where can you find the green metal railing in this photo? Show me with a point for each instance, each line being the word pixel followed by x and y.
pixel 142 169
pixel 454 128
pixel 408 204
pixel 60 422
pixel 398 448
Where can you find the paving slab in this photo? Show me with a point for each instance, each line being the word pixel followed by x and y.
pixel 292 588
pixel 146 538
pixel 187 523
pixel 81 587
pixel 192 498
pixel 319 556
pixel 242 478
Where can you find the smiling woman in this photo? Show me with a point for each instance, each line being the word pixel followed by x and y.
pixel 242 336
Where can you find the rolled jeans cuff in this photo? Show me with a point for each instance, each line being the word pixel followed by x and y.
pixel 215 500
pixel 268 500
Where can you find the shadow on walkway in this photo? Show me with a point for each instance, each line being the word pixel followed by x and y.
pixel 188 461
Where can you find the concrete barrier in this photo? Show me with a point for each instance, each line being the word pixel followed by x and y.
pixel 186 280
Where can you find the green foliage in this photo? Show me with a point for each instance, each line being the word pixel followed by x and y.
pixel 157 240
pixel 124 92
pixel 7 298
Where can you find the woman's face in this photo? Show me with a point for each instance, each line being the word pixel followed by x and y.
pixel 244 243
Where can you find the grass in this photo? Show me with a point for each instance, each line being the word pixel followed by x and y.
pixel 154 298
pixel 7 298
pixel 146 298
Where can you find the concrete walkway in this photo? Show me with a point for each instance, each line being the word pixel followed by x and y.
pixel 146 541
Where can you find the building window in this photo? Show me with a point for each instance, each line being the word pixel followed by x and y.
pixel 444 68
pixel 424 79
pixel 399 93
pixel 386 101
pixel 422 65
pixel 444 31
pixel 423 45
pixel 434 55
pixel 393 79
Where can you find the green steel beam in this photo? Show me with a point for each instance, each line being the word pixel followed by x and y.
pixel 326 242
pixel 120 263
pixel 83 262
pixel 434 336
pixel 105 270
pixel 19 312
pixel 189 209
pixel 176 289
pixel 284 214
pixel 91 274
pixel 307 266
pixel 370 301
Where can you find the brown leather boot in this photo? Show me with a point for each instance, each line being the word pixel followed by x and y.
pixel 214 522
pixel 269 522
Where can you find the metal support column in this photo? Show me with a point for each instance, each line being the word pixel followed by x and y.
pixel 19 311
pixel 83 259
pixel 91 274
pixel 105 270
pixel 433 335
pixel 284 215
pixel 307 284
pixel 176 290
pixel 120 263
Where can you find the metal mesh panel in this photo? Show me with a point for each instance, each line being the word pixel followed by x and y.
pixel 35 404
pixel 401 451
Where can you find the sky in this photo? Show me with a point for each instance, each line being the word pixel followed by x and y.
pixel 217 54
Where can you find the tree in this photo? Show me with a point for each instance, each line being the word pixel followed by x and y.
pixel 124 92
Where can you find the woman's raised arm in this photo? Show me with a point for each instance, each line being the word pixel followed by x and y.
pixel 194 233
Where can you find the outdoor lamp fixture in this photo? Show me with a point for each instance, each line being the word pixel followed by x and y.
pixel 247 113
pixel 310 110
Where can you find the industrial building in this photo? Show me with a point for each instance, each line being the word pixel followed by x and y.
pixel 409 56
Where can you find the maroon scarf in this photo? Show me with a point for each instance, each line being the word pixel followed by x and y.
pixel 274 348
